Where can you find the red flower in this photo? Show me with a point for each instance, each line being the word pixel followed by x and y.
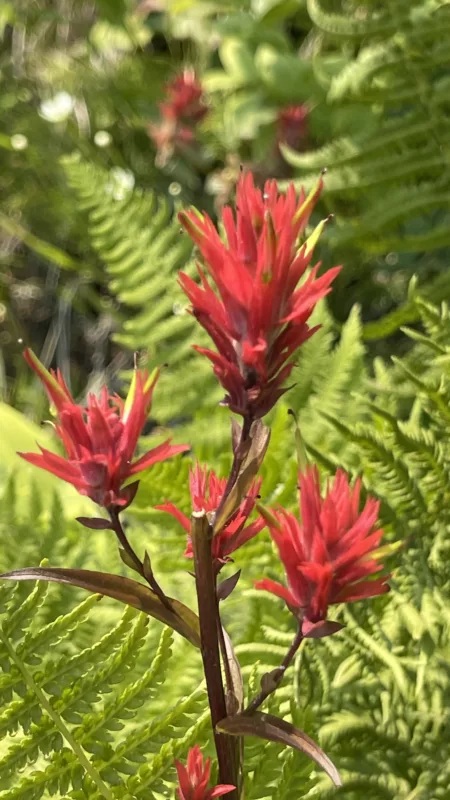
pixel 180 112
pixel 193 778
pixel 291 125
pixel 100 439
pixel 206 494
pixel 330 556
pixel 258 316
pixel 184 98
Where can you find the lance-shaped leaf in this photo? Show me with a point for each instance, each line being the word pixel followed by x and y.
pixel 227 586
pixel 251 463
pixel 266 726
pixel 127 591
pixel 235 697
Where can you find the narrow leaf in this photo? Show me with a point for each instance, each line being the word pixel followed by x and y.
pixel 266 726
pixel 148 572
pixel 237 699
pixel 127 591
pixel 225 588
pixel 326 627
pixel 252 461
pixel 236 431
pixel 95 523
pixel 127 560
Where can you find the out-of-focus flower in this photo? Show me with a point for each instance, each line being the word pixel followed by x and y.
pixel 331 555
pixel 102 139
pixel 100 439
pixel 291 125
pixel 257 317
pixel 184 99
pixel 180 112
pixel 57 108
pixel 19 141
pixel 193 778
pixel 206 494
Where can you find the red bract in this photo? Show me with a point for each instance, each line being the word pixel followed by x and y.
pixel 329 557
pixel 193 778
pixel 100 439
pixel 206 494
pixel 257 317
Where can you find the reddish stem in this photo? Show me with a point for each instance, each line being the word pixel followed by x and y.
pixel 146 574
pixel 274 678
pixel 201 535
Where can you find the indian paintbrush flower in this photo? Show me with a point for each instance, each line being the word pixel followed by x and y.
pixel 257 313
pixel 193 778
pixel 207 491
pixel 330 556
pixel 100 438
pixel 292 125
pixel 181 111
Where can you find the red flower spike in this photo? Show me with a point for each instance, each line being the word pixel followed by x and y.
pixel 206 494
pixel 193 778
pixel 100 440
pixel 330 556
pixel 256 314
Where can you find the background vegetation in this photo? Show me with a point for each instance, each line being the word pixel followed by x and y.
pixel 89 250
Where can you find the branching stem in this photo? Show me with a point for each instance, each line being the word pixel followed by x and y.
pixel 271 681
pixel 144 573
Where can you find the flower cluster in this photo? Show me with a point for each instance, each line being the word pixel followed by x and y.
pixel 100 439
pixel 180 112
pixel 330 555
pixel 207 491
pixel 193 778
pixel 255 298
pixel 257 313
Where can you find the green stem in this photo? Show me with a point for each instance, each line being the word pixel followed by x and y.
pixel 57 720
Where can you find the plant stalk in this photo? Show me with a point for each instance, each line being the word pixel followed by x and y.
pixel 149 577
pixel 237 459
pixel 201 535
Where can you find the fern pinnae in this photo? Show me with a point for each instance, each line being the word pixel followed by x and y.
pixel 151 776
pixel 12 681
pixel 57 720
pixel 74 699
pixel 55 631
pixel 18 617
pixel 348 27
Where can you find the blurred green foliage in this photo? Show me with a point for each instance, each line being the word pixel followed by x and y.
pixel 368 83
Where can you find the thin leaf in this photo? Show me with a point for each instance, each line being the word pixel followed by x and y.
pixel 127 560
pixel 236 676
pixel 95 523
pixel 252 461
pixel 225 588
pixel 266 726
pixel 127 591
